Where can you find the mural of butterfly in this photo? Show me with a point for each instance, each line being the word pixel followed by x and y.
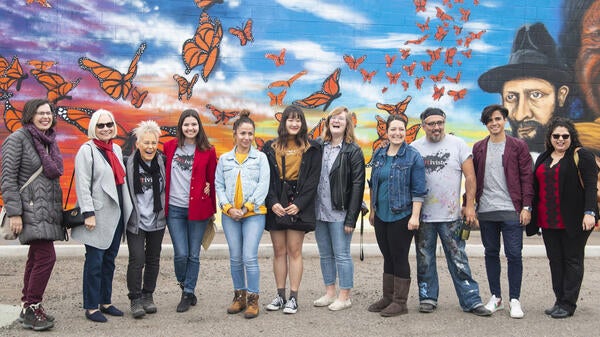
pixel 417 41
pixel 438 92
pixel 12 117
pixel 384 90
pixel 138 97
pixel 447 3
pixel 330 90
pixel 11 72
pixel 457 94
pixel 43 3
pixel 55 84
pixel 434 55
pixel 396 109
pixel 244 34
pixel 465 13
pixel 440 33
pixel 4 95
pixel 467 53
pixel 424 26
pixel 393 77
pixel 185 88
pixel 318 130
pixel 450 52
pixel 205 4
pixel 353 63
pixel 442 15
pixel 419 82
pixel 279 60
pixel 260 143
pixel 114 83
pixel 289 82
pixel 203 49
pixel 404 53
pixel 367 75
pixel 276 99
pixel 420 5
pixel 222 115
pixel 427 65
pixel 455 79
pixel 42 65
pixel 409 68
pixel 473 36
pixel 405 85
pixel 457 30
pixel 389 60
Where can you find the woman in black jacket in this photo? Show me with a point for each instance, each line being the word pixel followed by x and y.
pixel 565 210
pixel 339 197
pixel 295 164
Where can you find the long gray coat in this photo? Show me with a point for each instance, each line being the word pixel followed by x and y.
pixel 103 199
pixel 39 205
pixel 132 225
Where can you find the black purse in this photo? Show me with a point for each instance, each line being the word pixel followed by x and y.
pixel 288 194
pixel 73 217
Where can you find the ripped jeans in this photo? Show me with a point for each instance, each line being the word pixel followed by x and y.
pixel 466 288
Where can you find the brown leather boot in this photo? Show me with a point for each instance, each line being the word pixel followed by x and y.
pixel 252 308
pixel 388 290
pixel 239 302
pixel 398 305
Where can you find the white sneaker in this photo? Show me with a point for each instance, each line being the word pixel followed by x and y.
pixel 340 305
pixel 515 309
pixel 494 304
pixel 323 301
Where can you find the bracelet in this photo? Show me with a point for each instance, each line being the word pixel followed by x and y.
pixel 592 213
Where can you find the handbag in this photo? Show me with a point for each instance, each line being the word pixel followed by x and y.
pixel 209 233
pixel 7 232
pixel 288 194
pixel 73 217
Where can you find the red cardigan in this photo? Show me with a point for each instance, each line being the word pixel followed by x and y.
pixel 201 206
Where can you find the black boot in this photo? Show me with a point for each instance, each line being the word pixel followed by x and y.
pixel 187 299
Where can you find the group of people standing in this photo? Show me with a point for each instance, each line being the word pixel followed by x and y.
pixel 294 186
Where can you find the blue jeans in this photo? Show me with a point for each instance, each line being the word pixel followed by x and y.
pixel 334 249
pixel 187 239
pixel 512 235
pixel 98 272
pixel 466 288
pixel 243 238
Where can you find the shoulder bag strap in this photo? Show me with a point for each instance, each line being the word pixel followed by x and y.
pixel 32 178
pixel 73 177
pixel 576 159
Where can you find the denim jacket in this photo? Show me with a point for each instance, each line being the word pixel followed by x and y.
pixel 255 175
pixel 407 178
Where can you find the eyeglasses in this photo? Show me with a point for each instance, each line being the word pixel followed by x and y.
pixel 44 113
pixel 102 125
pixel 557 136
pixel 438 123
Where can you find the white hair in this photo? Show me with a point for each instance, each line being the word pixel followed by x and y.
pixel 144 127
pixel 94 120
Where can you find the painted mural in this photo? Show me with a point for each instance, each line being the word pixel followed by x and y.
pixel 151 59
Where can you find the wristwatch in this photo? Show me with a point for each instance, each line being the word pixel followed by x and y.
pixel 592 213
pixel 527 208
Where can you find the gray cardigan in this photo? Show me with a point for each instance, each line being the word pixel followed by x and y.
pixel 39 205
pixel 103 199
pixel 132 225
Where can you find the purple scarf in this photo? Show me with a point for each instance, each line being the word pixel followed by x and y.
pixel 51 158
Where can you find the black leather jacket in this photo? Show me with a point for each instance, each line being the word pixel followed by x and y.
pixel 347 182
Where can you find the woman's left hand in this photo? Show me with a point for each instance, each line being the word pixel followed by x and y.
pixel 588 222
pixel 348 229
pixel 292 209
pixel 207 189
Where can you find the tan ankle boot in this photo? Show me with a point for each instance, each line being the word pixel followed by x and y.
pixel 252 308
pixel 239 302
pixel 388 291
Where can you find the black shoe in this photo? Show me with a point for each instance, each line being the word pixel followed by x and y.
pixel 35 319
pixel 426 308
pixel 187 299
pixel 148 303
pixel 111 310
pixel 481 311
pixel 137 309
pixel 551 310
pixel 21 317
pixel 97 316
pixel 561 313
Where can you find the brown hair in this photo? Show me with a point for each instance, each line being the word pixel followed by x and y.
pixel 201 139
pixel 349 136
pixel 30 109
pixel 301 137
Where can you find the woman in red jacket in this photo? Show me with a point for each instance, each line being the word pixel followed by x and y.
pixel 190 199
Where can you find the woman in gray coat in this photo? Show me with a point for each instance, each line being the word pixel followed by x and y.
pixel 104 200
pixel 146 226
pixel 35 213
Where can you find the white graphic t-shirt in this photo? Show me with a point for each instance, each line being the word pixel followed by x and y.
pixel 181 175
pixel 443 173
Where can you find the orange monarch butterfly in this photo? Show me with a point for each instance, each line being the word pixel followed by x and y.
pixel 222 115
pixel 473 36
pixel 467 53
pixel 384 90
pixel 56 85
pixel 417 41
pixel 420 5
pixel 114 83
pixel 367 76
pixel 42 65
pixel 138 97
pixel 457 30
pixel 277 99
pixel 405 85
pixel 454 79
pixel 205 4
pixel 330 90
pixel 447 3
pixel 424 26
pixel 438 92
pixel 465 13
pixel 440 34
pixel 203 49
pixel 289 82
pixel 259 143
pixel 434 54
pixel 389 60
pixel 459 42
pixel 318 130
pixel 393 77
pixel 442 15
pixel 438 77
pixel 353 63
pixel 397 109
pixel 457 94
pixel 410 69
pixel 12 117
pixel 419 82
pixel 185 87
pixel 427 65
pixel 243 33
pixel 476 2
pixel 11 72
pixel 405 52
pixel 43 3
pixel 450 52
pixel 278 59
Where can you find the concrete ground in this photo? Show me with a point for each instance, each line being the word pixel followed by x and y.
pixel 63 298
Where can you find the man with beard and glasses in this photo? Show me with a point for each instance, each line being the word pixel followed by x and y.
pixel 533 85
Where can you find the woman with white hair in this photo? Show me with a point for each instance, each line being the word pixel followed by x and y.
pixel 146 226
pixel 103 197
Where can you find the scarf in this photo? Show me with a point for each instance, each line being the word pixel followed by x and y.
pixel 113 161
pixel 154 170
pixel 47 148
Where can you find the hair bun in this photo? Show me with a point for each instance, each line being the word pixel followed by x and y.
pixel 245 113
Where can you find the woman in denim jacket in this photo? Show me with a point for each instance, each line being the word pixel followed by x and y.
pixel 242 183
pixel 397 193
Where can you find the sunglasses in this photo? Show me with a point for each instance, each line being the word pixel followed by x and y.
pixel 102 125
pixel 557 136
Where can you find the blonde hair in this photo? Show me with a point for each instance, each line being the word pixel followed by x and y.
pixel 349 136
pixel 146 127
pixel 91 132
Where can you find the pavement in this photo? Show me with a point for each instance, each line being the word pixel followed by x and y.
pixel 63 296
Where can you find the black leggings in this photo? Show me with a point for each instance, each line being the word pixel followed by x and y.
pixel 394 241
